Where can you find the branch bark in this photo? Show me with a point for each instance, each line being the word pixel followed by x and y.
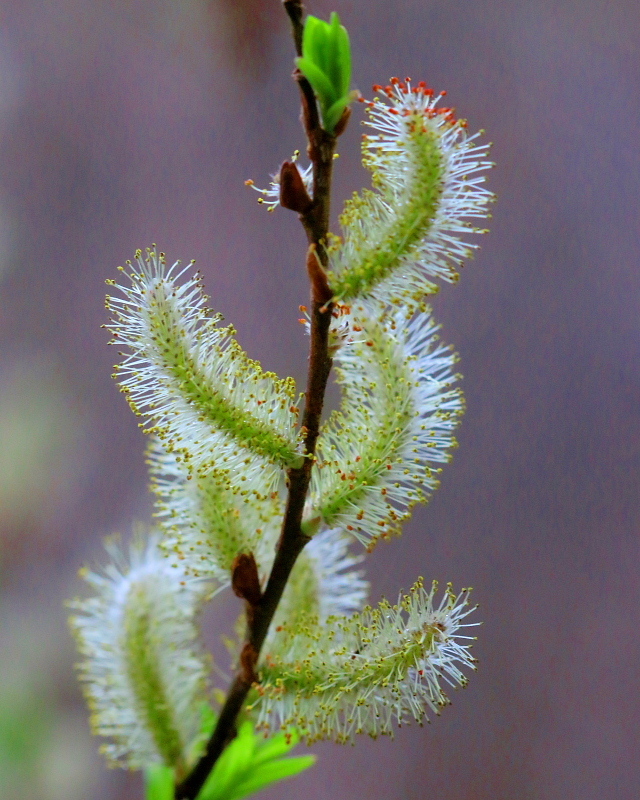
pixel 260 610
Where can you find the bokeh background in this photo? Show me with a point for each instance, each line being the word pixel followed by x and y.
pixel 127 122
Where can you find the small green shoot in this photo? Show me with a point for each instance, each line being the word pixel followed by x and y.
pixel 326 64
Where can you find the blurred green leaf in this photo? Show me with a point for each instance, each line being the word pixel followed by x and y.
pixel 251 763
pixel 269 773
pixel 278 745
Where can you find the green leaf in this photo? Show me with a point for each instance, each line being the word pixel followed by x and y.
pixel 326 64
pixel 344 55
pixel 158 781
pixel 231 766
pixel 334 112
pixel 334 65
pixel 313 39
pixel 321 83
pixel 269 773
pixel 251 763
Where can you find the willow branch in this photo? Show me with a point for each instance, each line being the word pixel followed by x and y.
pixel 260 611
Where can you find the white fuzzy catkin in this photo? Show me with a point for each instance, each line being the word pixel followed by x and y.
pixel 207 520
pixel 364 673
pixel 381 453
pixel 426 173
pixel 143 673
pixel 197 390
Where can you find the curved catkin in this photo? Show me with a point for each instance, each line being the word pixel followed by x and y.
pixel 143 672
pixel 426 173
pixel 140 646
pixel 402 224
pixel 191 382
pixel 381 453
pixel 365 673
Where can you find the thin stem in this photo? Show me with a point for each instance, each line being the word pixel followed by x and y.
pixel 295 12
pixel 292 540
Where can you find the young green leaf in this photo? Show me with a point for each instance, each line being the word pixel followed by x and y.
pixel 251 763
pixel 272 749
pixel 326 64
pixel 271 772
pixel 231 766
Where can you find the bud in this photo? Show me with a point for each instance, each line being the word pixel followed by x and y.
pixel 326 64
pixel 293 192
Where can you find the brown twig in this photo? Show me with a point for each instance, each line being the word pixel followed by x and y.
pixel 261 607
pixel 295 12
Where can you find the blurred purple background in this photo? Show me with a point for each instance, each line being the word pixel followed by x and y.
pixel 135 121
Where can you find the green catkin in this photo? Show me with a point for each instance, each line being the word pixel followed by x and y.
pixel 196 389
pixel 414 212
pixel 364 673
pixel 141 644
